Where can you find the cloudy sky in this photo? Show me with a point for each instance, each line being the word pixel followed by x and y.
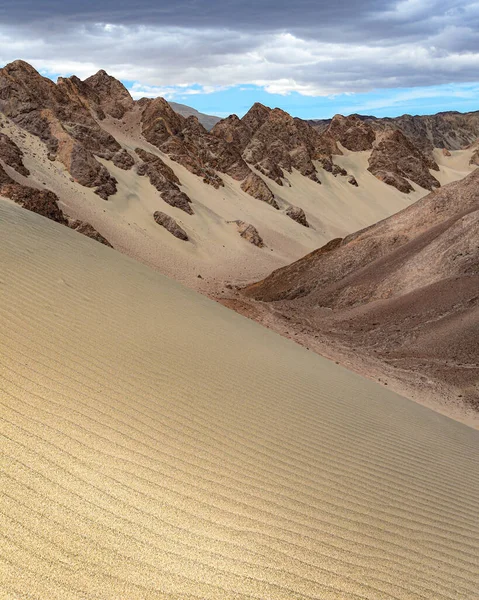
pixel 311 57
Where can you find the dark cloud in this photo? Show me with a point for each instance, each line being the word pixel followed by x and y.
pixel 311 46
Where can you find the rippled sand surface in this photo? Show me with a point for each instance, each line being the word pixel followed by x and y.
pixel 154 444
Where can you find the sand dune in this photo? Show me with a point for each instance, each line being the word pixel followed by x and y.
pixel 157 445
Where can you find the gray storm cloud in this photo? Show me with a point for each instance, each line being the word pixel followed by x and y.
pixel 314 48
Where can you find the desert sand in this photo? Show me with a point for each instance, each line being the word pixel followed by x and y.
pixel 157 445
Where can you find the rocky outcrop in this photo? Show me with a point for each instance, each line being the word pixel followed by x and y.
pixel 450 130
pixel 272 141
pixel 352 181
pixel 113 97
pixel 256 187
pixel 60 116
pixel 337 170
pixel 187 142
pixel 395 159
pixel 86 229
pixel 163 178
pixel 298 215
pixel 43 202
pixel 475 157
pixel 249 233
pixel 351 132
pixel 170 225
pixel 123 160
pixel 12 155
pixel 445 152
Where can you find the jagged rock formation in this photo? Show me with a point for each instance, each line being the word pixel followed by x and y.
pixel 475 157
pixel 187 142
pixel 11 155
pixel 60 117
pixel 450 130
pixel 298 215
pixel 88 230
pixel 113 98
pixel 170 225
pixel 395 158
pixel 337 170
pixel 123 160
pixel 256 187
pixel 163 178
pixel 249 233
pixel 351 132
pixel 405 289
pixel 43 202
pixel 272 141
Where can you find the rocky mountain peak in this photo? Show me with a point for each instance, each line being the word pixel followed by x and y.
pixel 114 98
pixel 353 133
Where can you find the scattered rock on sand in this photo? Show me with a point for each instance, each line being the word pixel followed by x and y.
pixel 170 225
pixel 88 230
pixel 298 215
pixel 352 181
pixel 249 233
pixel 256 187
pixel 11 155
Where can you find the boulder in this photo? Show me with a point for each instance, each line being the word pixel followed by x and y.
pixel 298 215
pixel 249 233
pixel 170 225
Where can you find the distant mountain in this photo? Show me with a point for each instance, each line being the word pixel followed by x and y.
pixel 451 130
pixel 68 147
pixel 208 121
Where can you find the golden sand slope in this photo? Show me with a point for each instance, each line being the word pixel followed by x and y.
pixel 156 445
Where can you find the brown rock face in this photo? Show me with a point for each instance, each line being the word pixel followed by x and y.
pixel 249 233
pixel 475 157
pixel 43 202
pixel 405 289
pixel 187 142
pixel 170 225
pixel 450 130
pixel 86 229
pixel 351 132
pixel 123 160
pixel 256 187
pixel 392 257
pixel 271 140
pixel 113 97
pixel 60 116
pixel 394 158
pixel 298 215
pixel 163 178
pixel 11 155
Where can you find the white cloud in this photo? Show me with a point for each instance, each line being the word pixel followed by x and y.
pixel 414 43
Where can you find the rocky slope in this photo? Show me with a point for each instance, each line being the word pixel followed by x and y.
pixel 404 291
pixel 451 130
pixel 75 144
